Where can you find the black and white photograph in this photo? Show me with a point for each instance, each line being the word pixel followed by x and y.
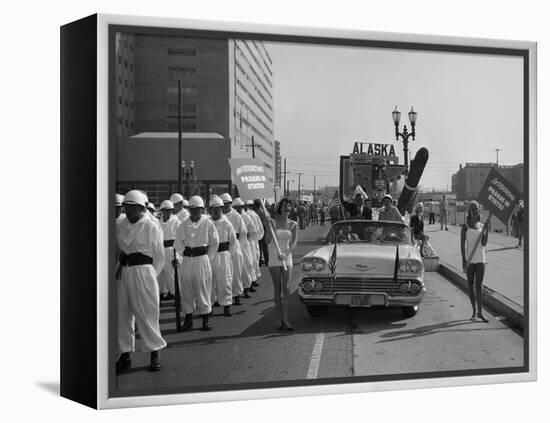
pixel 275 211
pixel 301 211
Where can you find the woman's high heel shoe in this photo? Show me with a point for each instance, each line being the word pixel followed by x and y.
pixel 288 327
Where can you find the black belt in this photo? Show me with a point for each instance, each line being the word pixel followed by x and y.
pixel 195 252
pixel 134 259
pixel 168 243
pixel 224 246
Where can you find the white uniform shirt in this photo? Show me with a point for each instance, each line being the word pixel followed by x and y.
pixel 183 214
pixel 197 234
pixel 250 225
pixel 226 233
pixel 238 224
pixel 143 237
pixel 169 227
pixel 258 223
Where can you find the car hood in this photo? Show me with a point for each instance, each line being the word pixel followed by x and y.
pixel 362 259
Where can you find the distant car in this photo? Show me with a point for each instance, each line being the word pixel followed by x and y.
pixel 376 263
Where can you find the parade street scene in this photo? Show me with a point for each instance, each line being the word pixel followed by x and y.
pixel 290 212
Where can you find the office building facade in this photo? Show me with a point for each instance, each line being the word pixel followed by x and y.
pixel 469 179
pixel 226 90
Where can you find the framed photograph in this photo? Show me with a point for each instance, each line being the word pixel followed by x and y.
pixel 275 211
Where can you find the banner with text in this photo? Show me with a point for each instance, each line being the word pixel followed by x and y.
pixel 251 179
pixel 498 196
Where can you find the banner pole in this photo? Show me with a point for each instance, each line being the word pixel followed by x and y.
pixel 272 231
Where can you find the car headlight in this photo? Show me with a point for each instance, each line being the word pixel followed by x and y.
pixel 415 266
pixel 316 264
pixel 307 286
pixel 414 288
pixel 404 266
pixel 307 265
pixel 317 286
pixel 319 265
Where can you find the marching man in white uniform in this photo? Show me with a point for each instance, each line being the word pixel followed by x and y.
pixel 249 274
pixel 197 239
pixel 237 256
pixel 180 206
pixel 254 243
pixel 222 266
pixel 140 261
pixel 168 223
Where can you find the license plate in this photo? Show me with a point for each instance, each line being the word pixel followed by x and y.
pixel 360 301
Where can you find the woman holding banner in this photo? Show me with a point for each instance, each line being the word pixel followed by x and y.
pixel 473 257
pixel 280 265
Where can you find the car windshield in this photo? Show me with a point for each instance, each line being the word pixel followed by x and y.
pixel 373 232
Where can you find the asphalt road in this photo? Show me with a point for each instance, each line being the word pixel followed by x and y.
pixel 247 347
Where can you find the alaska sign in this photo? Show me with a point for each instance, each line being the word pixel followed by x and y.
pixel 374 149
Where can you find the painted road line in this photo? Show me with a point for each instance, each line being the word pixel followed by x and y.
pixel 315 360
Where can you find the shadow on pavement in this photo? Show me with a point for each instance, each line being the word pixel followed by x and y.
pixel 437 328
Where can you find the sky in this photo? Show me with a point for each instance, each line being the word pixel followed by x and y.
pixel 326 98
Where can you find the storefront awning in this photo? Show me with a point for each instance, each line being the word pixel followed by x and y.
pixel 174 136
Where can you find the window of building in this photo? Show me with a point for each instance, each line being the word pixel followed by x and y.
pixel 185 127
pixel 187 110
pixel 172 51
pixel 181 72
pixel 185 89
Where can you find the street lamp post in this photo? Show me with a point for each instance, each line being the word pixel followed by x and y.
pixel 188 171
pixel 396 114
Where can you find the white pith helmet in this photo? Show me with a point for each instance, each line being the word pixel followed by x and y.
pixel 216 202
pixel 176 198
pixel 185 203
pixel 119 198
pixel 226 198
pixel 249 202
pixel 196 201
pixel 151 206
pixel 135 197
pixel 238 202
pixel 167 205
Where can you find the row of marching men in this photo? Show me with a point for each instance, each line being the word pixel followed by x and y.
pixel 216 255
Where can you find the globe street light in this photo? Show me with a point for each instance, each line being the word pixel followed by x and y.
pixel 396 115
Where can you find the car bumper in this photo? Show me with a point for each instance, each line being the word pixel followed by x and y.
pixel 344 298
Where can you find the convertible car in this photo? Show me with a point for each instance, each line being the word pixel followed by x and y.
pixel 364 264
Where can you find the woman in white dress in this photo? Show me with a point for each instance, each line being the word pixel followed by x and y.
pixel 285 231
pixel 472 230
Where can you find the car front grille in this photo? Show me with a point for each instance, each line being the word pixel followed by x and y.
pixel 358 285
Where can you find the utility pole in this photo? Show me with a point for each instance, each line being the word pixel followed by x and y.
pixel 497 150
pixel 314 190
pixel 179 136
pixel 253 147
pixel 300 185
pixel 285 181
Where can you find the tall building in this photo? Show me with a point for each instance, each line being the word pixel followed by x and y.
pixel 124 85
pixel 469 179
pixel 226 109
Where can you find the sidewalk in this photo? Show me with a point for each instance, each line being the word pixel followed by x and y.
pixel 504 270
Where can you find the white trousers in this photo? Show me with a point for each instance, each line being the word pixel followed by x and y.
pixel 166 276
pixel 248 272
pixel 138 297
pixel 237 258
pixel 196 284
pixel 256 262
pixel 222 279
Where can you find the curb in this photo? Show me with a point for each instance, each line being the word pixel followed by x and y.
pixel 491 299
